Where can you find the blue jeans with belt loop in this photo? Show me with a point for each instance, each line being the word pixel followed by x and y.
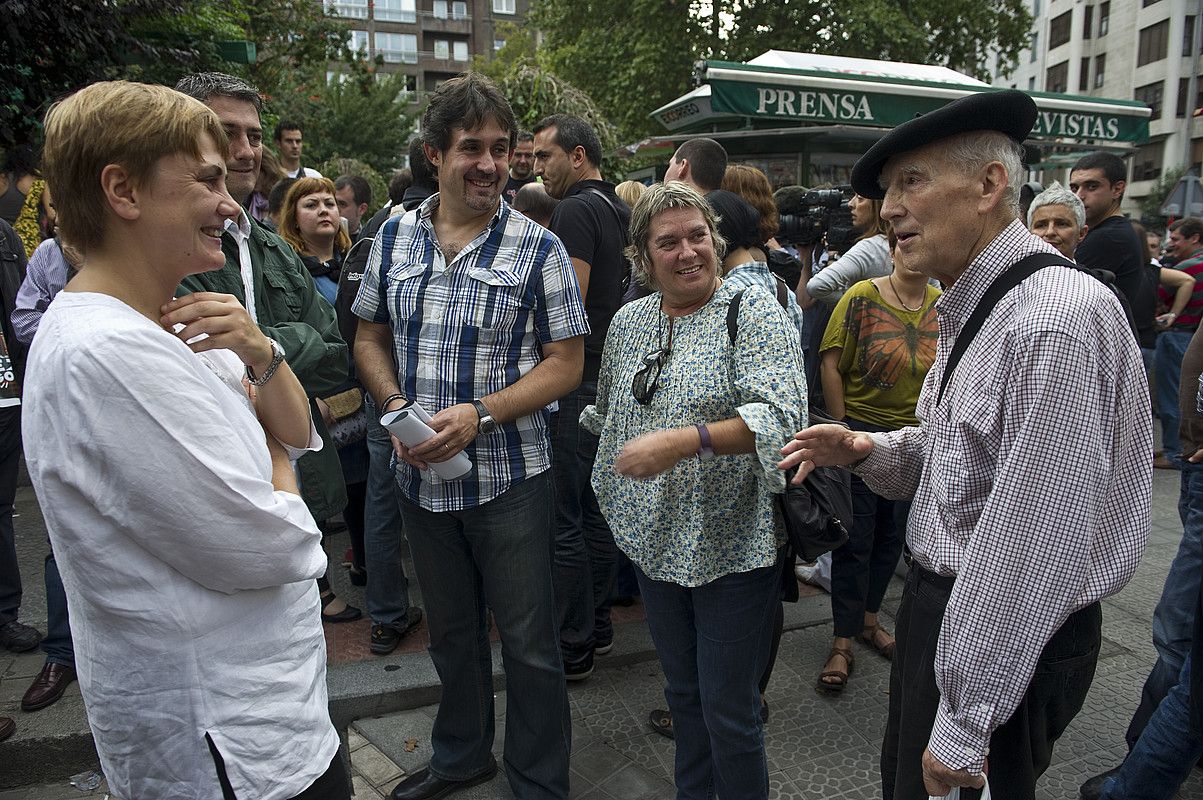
pixel 713 642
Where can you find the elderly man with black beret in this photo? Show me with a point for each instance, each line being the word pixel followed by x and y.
pixel 1029 465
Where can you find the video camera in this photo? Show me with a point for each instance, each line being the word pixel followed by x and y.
pixel 805 216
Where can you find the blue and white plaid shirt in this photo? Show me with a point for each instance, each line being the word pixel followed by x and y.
pixel 470 328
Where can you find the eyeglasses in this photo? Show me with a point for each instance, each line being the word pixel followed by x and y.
pixel 647 378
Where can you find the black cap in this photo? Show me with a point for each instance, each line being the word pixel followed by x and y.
pixel 1009 111
pixel 738 220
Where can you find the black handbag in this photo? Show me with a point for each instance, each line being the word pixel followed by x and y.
pixel 818 511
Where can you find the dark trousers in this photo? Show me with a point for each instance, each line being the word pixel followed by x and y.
pixel 10 456
pixel 1021 748
pixel 586 558
pixel 333 784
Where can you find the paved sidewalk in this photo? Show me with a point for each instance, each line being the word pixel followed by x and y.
pixel 818 747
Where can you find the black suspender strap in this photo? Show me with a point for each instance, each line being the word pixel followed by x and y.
pixel 1015 275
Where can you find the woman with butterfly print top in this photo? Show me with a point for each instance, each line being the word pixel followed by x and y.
pixel 876 351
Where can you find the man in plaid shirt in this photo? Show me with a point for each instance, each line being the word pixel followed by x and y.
pixel 1030 473
pixel 473 311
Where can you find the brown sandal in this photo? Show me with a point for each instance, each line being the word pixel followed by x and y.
pixel 869 637
pixel 836 686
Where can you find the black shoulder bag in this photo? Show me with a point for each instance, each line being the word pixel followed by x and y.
pixel 815 512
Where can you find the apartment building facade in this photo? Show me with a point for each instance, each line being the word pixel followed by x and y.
pixel 428 41
pixel 1135 49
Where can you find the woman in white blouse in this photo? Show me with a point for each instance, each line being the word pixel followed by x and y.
pixel 187 554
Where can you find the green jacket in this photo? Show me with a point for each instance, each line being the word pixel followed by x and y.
pixel 291 311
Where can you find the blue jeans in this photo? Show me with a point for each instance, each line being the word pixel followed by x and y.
pixel 388 588
pixel 500 553
pixel 1165 753
pixel 57 645
pixel 713 642
pixel 10 456
pixel 1174 617
pixel 1167 369
pixel 586 558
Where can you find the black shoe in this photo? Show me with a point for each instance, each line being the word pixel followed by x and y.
pixel 348 614
pixel 385 638
pixel 424 786
pixel 603 648
pixel 1093 788
pixel 579 671
pixel 357 576
pixel 19 637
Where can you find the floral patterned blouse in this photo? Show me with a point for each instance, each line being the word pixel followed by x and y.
pixel 700 520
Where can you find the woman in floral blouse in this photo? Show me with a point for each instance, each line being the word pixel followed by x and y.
pixel 690 427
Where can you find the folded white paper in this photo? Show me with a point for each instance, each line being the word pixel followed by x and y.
pixel 411 424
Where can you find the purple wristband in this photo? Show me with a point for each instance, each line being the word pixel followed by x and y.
pixel 706 448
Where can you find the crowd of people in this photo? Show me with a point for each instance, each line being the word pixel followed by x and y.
pixel 625 369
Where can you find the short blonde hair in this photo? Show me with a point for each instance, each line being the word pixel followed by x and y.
pixel 630 192
pixel 116 122
pixel 290 228
pixel 655 201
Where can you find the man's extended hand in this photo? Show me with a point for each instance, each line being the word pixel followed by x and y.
pixel 226 323
pixel 454 428
pixel 939 779
pixel 824 446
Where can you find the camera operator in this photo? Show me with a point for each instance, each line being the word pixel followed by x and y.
pixel 868 258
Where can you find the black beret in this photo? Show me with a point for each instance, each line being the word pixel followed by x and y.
pixel 1010 111
pixel 738 220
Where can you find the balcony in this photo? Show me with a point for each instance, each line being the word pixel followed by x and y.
pixel 459 24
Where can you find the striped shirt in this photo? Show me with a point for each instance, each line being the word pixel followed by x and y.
pixel 467 329
pixel 1031 479
pixel 1188 320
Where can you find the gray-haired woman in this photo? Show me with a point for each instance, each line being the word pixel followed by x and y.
pixel 690 423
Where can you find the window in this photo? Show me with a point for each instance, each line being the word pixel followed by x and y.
pixel 1057 77
pixel 459 51
pixel 397 48
pixel 504 7
pixel 1146 164
pixel 1035 47
pixel 1058 30
pixel 1153 42
pixel 459 10
pixel 1104 17
pixel 1032 84
pixel 357 41
pixel 498 44
pixel 440 9
pixel 1035 8
pixel 396 10
pixel 1150 95
pixel 1100 69
pixel 1145 3
pixel 354 9
pixel 1183 90
pixel 1087 21
pixel 442 49
pixel 1084 75
pixel 1188 37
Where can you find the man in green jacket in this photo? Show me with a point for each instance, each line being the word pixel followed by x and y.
pixel 274 287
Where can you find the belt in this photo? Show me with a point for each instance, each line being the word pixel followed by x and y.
pixel 942 582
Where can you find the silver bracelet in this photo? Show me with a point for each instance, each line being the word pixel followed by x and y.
pixel 273 365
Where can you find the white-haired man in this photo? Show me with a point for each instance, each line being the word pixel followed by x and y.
pixel 1028 469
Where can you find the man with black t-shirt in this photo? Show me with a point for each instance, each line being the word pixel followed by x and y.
pixel 1100 179
pixel 522 164
pixel 592 222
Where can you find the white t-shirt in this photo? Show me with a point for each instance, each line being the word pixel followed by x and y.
pixel 309 173
pixel 190 578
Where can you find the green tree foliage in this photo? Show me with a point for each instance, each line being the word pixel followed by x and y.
pixel 364 116
pixel 378 183
pixel 960 34
pixel 1150 205
pixel 630 56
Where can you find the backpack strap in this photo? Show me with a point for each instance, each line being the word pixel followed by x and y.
pixel 733 315
pixel 782 293
pixel 1008 280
